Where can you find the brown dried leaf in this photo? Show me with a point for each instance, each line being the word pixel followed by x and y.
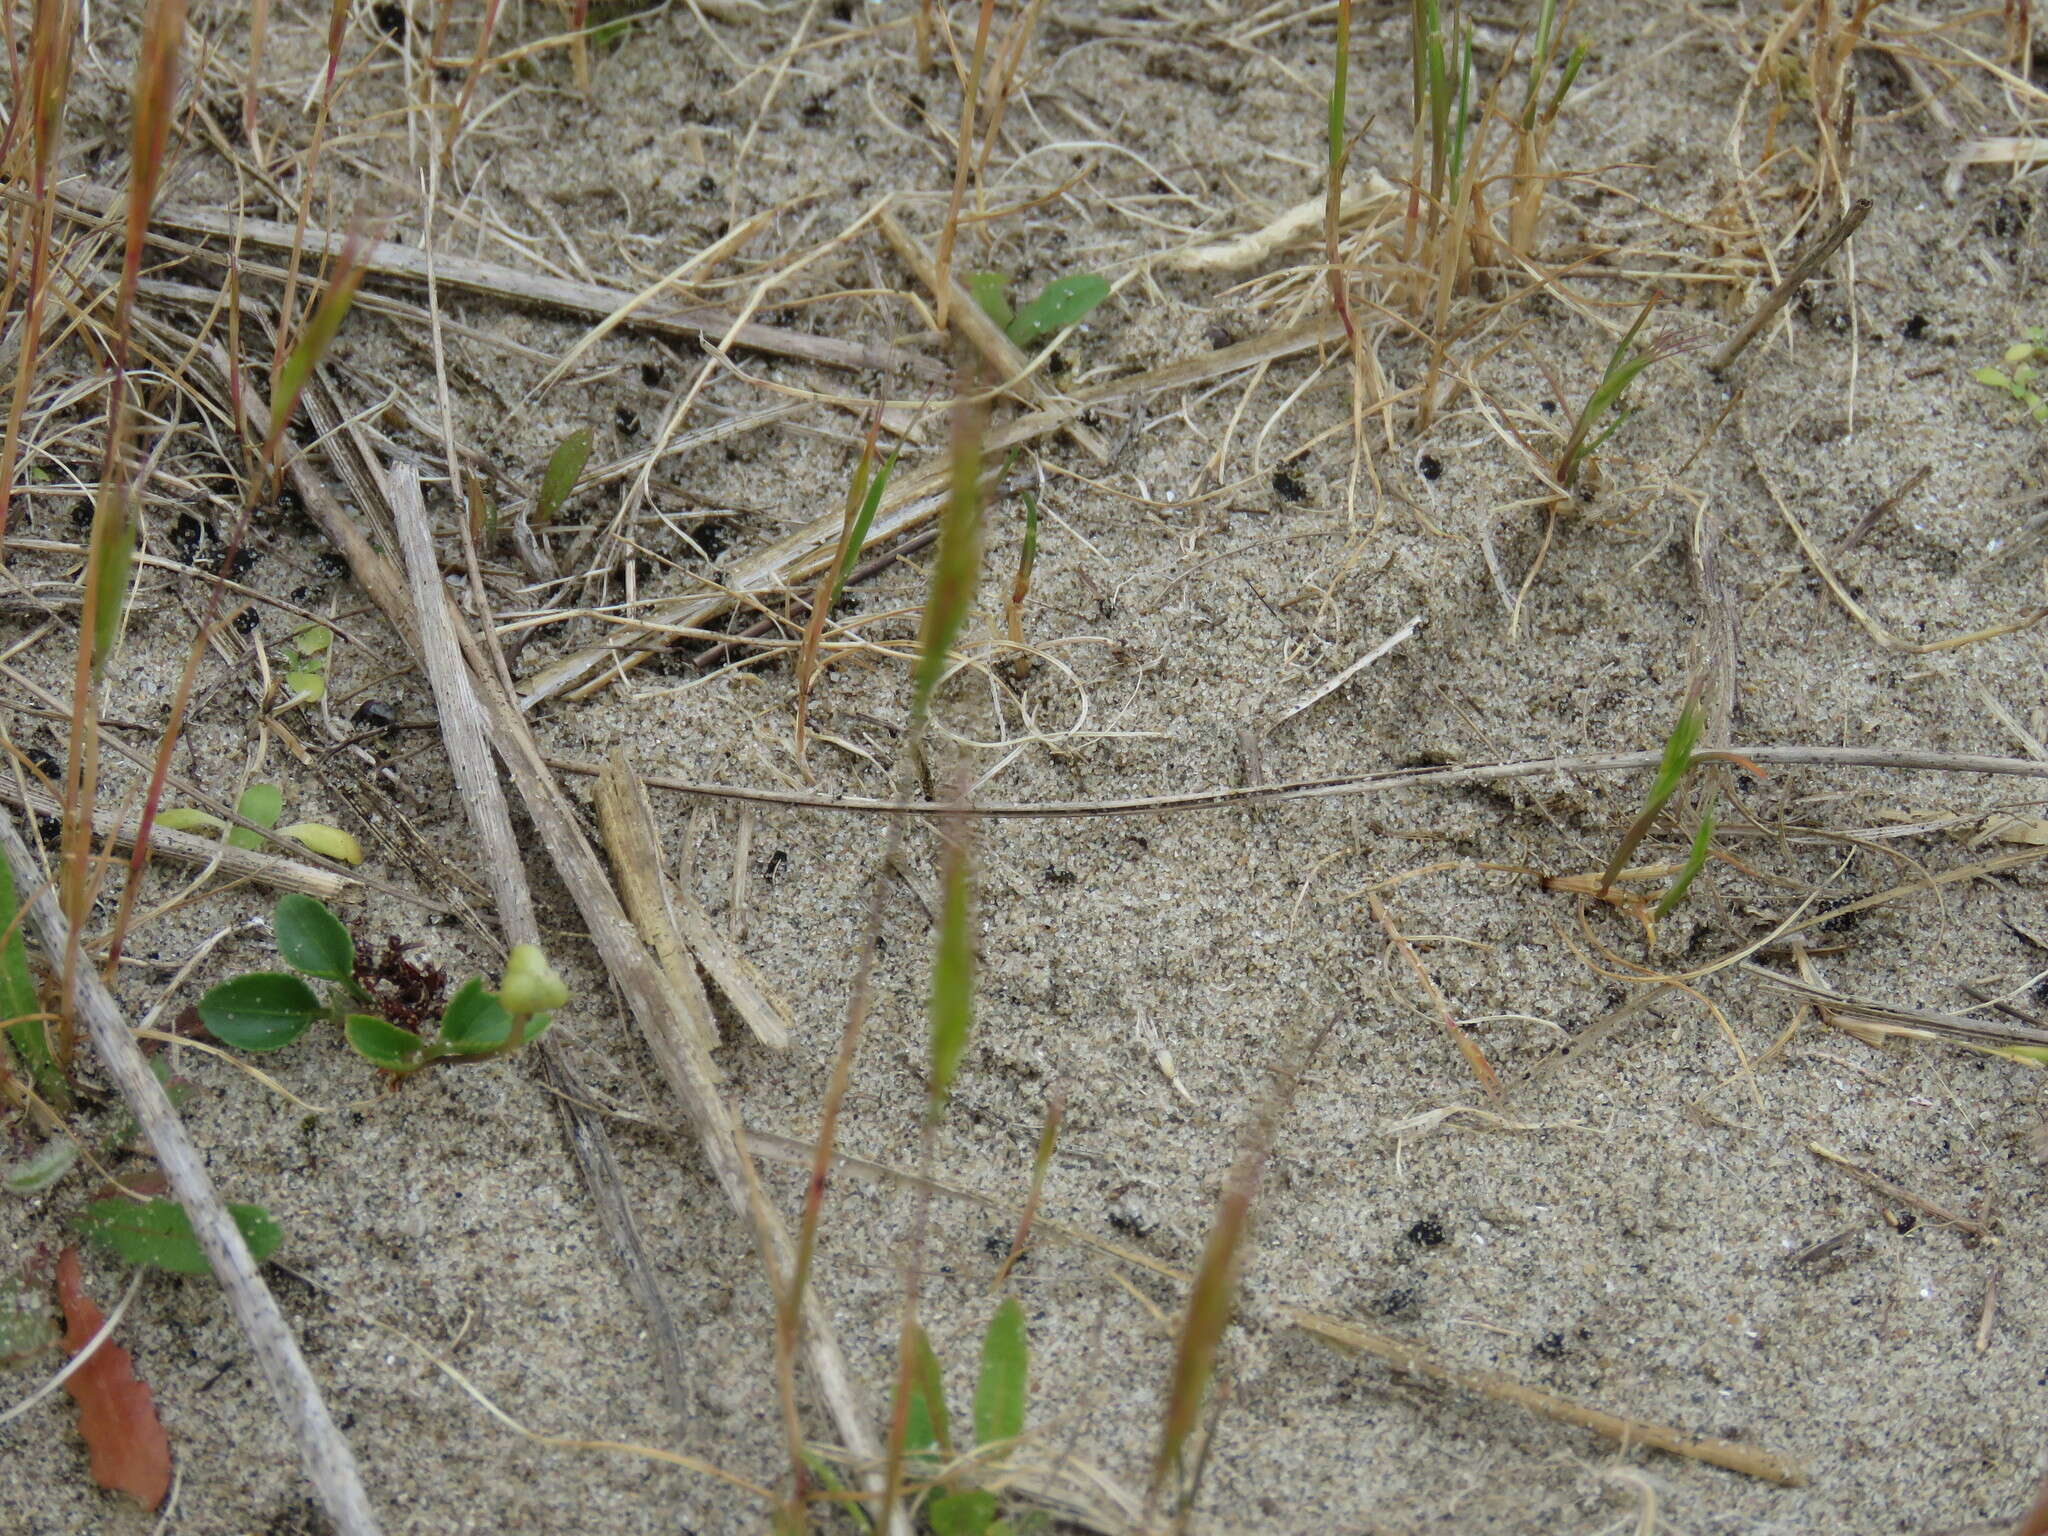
pixel 116 1415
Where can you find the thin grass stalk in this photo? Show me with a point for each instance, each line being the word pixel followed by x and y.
pixel 337 23
pixel 49 86
pixel 1333 204
pixel 1212 1295
pixel 963 156
pixel 110 551
pixel 1041 1161
pixel 829 583
pixel 259 29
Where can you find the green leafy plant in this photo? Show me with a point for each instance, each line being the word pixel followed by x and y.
pixel 268 1010
pixel 956 1508
pixel 305 662
pixel 1624 366
pixel 1060 303
pixel 2025 373
pixel 158 1233
pixel 1671 771
pixel 263 804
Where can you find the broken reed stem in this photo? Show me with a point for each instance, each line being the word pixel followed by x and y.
pixel 328 1460
pixel 1793 281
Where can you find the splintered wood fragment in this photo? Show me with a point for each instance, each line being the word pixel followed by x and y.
pixel 626 822
pixel 1892 1191
pixel 737 977
pixel 1810 263
pixel 982 333
pixel 1416 1361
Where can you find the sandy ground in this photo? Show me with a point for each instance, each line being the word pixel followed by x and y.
pixel 1622 1232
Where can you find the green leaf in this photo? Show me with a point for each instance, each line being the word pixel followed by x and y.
pixel 1063 302
pixel 331 842
pixel 19 1000
pixel 951 1007
pixel 474 1020
pixel 262 1011
pixel 313 685
pixel 1996 378
pixel 33 1175
pixel 313 639
pixel 565 466
pixel 970 1512
pixel 382 1043
pixel 1005 1376
pixel 926 1425
pixel 180 818
pixel 312 939
pixel 262 804
pixel 110 556
pixel 988 290
pixel 159 1234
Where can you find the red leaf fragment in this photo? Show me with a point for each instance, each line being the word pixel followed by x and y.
pixel 116 1415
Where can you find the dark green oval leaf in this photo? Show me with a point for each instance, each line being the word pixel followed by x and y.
pixel 312 939
pixel 1063 301
pixel 382 1043
pixel 259 1012
pixel 158 1233
pixel 475 1020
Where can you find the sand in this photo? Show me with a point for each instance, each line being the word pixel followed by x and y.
pixel 1623 1231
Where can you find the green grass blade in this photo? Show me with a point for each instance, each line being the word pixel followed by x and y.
pixel 314 341
pixel 864 518
pixel 109 561
pixel 1695 861
pixel 958 565
pixel 1005 1376
pixel 951 1007
pixel 1671 772
pixel 558 480
pixel 19 1000
pixel 929 1427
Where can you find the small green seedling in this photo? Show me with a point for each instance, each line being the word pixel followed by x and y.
pixel 955 1509
pixel 305 663
pixel 1062 302
pixel 2025 374
pixel 263 804
pixel 558 480
pixel 1671 772
pixel 1624 365
pixel 268 1010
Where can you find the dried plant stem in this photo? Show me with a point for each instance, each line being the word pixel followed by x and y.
pixel 1792 282
pixel 329 1462
pixel 963 156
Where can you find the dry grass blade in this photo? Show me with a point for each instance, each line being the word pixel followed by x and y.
pixel 386 258
pixel 326 1454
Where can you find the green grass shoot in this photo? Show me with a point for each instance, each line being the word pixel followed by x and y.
pixel 558 480
pixel 1624 366
pixel 951 1003
pixel 1671 772
pixel 1695 861
pixel 957 567
pixel 312 344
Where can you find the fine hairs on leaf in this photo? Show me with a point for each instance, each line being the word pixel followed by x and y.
pixel 158 1233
